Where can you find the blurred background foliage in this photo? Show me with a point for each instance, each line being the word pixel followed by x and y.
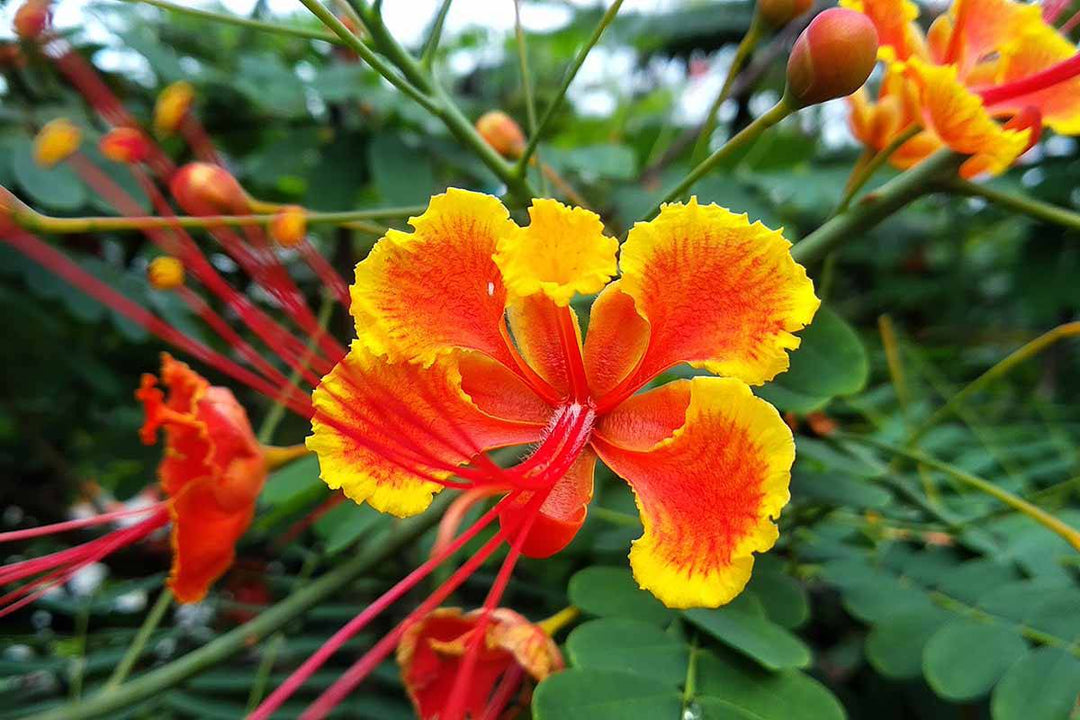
pixel 895 591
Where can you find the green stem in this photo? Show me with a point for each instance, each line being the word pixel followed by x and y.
pixel 307 33
pixel 138 644
pixel 316 591
pixel 746 46
pixel 867 171
pixel 526 86
pixel 1016 357
pixel 742 140
pixel 374 61
pixel 1020 203
pixel 1048 521
pixel 427 56
pixel 560 94
pixel 878 205
pixel 690 683
pixel 614 517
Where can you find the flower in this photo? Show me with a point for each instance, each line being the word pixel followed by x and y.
pixel 212 472
pixel 432 649
pixel 466 341
pixel 985 79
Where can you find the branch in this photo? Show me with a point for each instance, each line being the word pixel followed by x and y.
pixel 1020 203
pixel 307 33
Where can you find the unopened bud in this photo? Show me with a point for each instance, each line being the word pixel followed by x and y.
pixel 289 226
pixel 831 58
pixel 503 134
pixel 204 189
pixel 32 18
pixel 56 142
pixel 778 13
pixel 172 106
pixel 165 273
pixel 125 145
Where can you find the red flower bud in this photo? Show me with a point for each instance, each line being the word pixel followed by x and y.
pixel 503 134
pixel 204 189
pixel 32 19
pixel 125 145
pixel 289 226
pixel 165 273
pixel 832 57
pixel 778 13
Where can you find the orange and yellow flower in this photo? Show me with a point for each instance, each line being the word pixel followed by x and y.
pixel 433 648
pixel 984 81
pixel 467 341
pixel 212 472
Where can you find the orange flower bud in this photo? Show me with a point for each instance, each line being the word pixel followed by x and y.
pixel 32 18
pixel 125 145
pixel 172 107
pixel 289 226
pixel 165 273
pixel 56 142
pixel 778 13
pixel 503 134
pixel 832 57
pixel 204 189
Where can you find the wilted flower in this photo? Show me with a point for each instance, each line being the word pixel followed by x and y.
pixel 56 141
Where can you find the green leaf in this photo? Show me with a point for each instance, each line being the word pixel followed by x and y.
pixel 743 626
pixel 838 489
pixel 403 175
pixel 58 188
pixel 830 361
pixel 604 695
pixel 345 524
pixel 612 592
pixel 783 597
pixel 295 480
pixel 964 659
pixel 629 646
pixel 895 646
pixel 1042 685
pixel 616 162
pixel 728 686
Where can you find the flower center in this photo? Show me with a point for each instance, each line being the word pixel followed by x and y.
pixel 558 449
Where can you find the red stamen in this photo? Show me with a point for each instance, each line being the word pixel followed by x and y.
pixel 1052 9
pixel 195 134
pixel 326 272
pixel 1053 75
pixel 1069 25
pixel 59 264
pixel 455 514
pixel 508 685
pixel 313 663
pixel 575 365
pixel 60 527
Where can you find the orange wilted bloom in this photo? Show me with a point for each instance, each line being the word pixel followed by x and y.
pixel 708 461
pixel 172 107
pixel 211 475
pixel 56 141
pixel 984 81
pixel 432 650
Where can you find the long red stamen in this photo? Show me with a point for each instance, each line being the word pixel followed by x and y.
pixel 575 365
pixel 455 514
pixel 1052 9
pixel 60 527
pixel 59 264
pixel 313 663
pixel 326 272
pixel 508 685
pixel 1069 25
pixel 195 134
pixel 363 667
pixel 1053 75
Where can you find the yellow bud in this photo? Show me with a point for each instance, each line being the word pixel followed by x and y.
pixel 503 134
pixel 165 273
pixel 172 107
pixel 289 226
pixel 56 142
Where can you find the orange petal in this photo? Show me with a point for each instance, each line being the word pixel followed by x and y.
pixel 563 512
pixel 499 392
pixel 718 292
pixel 388 433
pixel 957 116
pixel 204 537
pixel 709 464
pixel 898 35
pixel 983 27
pixel 1031 50
pixel 534 322
pixel 418 295
pixel 616 340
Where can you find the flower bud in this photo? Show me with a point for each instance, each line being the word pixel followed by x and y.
pixel 165 273
pixel 289 226
pixel 778 13
pixel 501 133
pixel 125 145
pixel 831 58
pixel 204 189
pixel 32 18
pixel 56 142
pixel 172 106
